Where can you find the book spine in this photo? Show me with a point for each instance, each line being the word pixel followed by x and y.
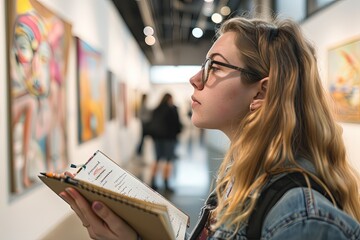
pixel 91 188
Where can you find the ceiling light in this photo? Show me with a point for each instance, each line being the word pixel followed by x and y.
pixel 208 8
pixel 216 18
pixel 150 40
pixel 209 1
pixel 225 10
pixel 148 31
pixel 197 32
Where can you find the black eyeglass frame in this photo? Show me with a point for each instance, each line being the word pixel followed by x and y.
pixel 204 79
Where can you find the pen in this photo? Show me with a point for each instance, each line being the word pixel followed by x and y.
pixel 52 175
pixel 78 165
pixel 61 177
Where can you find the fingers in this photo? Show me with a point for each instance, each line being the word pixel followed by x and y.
pixel 116 224
pixel 89 219
pixel 69 174
pixel 71 201
pixel 83 208
pixel 99 220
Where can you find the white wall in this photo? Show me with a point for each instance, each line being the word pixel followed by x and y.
pixel 34 213
pixel 337 24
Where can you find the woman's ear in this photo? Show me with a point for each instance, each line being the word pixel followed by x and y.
pixel 262 90
pixel 258 99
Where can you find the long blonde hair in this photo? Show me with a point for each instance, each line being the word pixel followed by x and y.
pixel 294 121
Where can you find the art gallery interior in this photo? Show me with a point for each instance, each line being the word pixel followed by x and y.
pixel 110 34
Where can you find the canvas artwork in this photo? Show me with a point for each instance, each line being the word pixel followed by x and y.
pixel 91 92
pixel 123 104
pixel 111 95
pixel 38 47
pixel 136 102
pixel 344 80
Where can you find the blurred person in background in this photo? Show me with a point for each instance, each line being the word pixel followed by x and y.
pixel 164 129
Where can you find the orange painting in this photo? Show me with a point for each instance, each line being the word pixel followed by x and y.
pixel 344 80
pixel 91 92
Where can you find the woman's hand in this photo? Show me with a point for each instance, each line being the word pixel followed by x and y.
pixel 99 220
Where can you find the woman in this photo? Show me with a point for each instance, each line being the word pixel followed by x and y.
pixel 261 87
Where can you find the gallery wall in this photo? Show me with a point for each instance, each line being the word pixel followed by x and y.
pixel 334 26
pixel 34 212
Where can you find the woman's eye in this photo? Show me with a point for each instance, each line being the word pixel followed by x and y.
pixel 214 68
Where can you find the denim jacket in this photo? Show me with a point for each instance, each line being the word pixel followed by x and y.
pixel 301 213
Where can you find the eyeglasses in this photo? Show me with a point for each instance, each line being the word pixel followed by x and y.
pixel 207 65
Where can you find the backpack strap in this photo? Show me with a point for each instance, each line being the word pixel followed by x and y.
pixel 270 196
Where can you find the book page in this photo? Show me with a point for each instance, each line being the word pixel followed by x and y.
pixel 102 171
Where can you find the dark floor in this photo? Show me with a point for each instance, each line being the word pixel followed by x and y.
pixel 193 175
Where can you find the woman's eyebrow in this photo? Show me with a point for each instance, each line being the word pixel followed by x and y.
pixel 218 54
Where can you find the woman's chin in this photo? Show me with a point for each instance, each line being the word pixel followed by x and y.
pixel 197 124
pixel 200 124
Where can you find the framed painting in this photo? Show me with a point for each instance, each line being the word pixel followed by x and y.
pixel 123 106
pixel 91 82
pixel 111 95
pixel 136 102
pixel 344 80
pixel 38 46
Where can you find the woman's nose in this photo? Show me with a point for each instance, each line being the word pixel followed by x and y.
pixel 196 81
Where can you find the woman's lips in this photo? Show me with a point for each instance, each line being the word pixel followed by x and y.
pixel 194 101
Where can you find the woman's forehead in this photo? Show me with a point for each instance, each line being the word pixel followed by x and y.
pixel 225 46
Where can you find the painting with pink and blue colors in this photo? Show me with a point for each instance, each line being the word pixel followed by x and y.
pixel 38 47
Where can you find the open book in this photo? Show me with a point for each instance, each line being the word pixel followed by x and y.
pixel 149 213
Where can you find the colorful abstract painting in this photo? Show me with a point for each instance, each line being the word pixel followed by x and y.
pixel 344 80
pixel 91 92
pixel 38 46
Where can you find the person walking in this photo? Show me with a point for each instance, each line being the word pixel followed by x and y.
pixel 164 129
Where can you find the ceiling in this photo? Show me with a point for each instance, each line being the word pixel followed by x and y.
pixel 173 22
